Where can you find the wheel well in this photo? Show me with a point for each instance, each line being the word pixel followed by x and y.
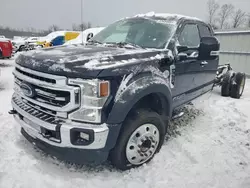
pixel 156 102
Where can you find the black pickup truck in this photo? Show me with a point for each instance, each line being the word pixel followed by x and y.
pixel 113 97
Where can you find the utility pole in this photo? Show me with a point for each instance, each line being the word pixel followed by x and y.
pixel 82 19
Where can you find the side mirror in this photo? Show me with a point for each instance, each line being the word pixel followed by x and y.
pixel 208 48
pixel 182 49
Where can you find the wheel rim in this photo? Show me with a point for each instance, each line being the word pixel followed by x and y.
pixel 242 84
pixel 142 144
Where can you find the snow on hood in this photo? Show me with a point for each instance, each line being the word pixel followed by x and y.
pixel 96 57
pixel 79 59
pixel 104 62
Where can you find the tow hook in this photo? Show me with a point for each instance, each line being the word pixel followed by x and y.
pixel 12 112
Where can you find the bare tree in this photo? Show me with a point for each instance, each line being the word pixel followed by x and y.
pixel 238 18
pixel 75 27
pixel 248 20
pixel 80 27
pixel 213 7
pixel 89 25
pixel 226 11
pixel 54 28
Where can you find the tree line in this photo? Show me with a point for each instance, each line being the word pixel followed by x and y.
pixel 11 32
pixel 226 16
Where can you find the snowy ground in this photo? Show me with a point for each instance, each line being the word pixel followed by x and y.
pixel 210 149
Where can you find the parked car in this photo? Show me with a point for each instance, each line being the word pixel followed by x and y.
pixel 113 98
pixel 5 48
pixel 2 37
pixel 19 44
pixel 58 38
pixel 85 36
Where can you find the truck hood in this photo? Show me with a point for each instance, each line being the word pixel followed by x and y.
pixel 85 61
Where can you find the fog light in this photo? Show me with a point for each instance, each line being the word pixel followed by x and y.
pixel 81 137
pixel 84 136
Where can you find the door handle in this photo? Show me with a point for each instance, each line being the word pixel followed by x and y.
pixel 203 63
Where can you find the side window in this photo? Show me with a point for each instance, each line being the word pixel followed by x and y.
pixel 205 31
pixel 189 36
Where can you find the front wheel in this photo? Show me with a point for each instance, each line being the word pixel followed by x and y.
pixel 142 136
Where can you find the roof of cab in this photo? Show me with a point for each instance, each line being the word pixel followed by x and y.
pixel 174 17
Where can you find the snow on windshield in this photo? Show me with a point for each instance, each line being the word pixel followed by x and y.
pixel 138 31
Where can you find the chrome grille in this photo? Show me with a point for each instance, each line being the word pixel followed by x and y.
pixel 48 96
pixel 25 106
pixel 52 93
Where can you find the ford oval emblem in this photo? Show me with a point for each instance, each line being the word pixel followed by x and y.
pixel 28 90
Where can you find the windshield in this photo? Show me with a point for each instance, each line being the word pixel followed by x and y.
pixel 143 32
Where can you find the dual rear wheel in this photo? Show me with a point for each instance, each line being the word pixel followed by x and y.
pixel 233 86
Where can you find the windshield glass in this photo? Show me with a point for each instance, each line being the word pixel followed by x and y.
pixel 143 32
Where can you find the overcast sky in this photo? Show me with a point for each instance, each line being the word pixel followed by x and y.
pixel 40 14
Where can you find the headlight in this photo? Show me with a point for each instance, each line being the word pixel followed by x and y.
pixel 94 94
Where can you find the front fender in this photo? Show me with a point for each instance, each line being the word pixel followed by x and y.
pixel 128 96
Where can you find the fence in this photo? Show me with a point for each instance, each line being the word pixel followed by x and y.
pixel 235 49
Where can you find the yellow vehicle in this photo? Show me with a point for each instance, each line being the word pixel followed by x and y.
pixel 57 38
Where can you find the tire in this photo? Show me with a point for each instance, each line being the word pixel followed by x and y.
pixel 21 48
pixel 225 86
pixel 237 87
pixel 136 122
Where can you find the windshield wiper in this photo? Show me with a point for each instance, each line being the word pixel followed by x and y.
pixel 125 44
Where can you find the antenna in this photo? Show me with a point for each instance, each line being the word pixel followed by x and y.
pixel 82 19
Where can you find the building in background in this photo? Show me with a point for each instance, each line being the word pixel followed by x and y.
pixel 235 48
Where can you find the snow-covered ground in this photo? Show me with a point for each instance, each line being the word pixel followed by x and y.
pixel 209 148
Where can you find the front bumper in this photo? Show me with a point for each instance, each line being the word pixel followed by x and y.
pixel 73 155
pixel 95 151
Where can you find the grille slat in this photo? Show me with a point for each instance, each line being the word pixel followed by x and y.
pixel 48 80
pixel 36 113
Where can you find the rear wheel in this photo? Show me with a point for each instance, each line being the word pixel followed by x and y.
pixel 141 137
pixel 225 86
pixel 237 87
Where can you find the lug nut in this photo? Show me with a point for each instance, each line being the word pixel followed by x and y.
pixel 146 155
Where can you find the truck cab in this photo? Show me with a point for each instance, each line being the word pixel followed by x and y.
pixel 113 97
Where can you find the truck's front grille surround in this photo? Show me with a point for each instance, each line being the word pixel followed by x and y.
pixel 48 96
pixel 55 96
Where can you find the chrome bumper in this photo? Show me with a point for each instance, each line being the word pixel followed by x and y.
pixel 34 124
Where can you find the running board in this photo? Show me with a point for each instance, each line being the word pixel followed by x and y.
pixel 179 115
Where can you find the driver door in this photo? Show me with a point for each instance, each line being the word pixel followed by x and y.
pixel 188 69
